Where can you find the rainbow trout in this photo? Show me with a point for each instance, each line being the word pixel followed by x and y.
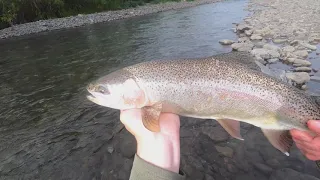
pixel 224 89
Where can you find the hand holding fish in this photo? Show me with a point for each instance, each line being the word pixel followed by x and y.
pixel 161 149
pixel 309 145
pixel 218 87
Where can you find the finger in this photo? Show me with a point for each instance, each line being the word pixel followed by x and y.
pixel 302 149
pixel 314 125
pixel 301 135
pixel 297 140
pixel 311 147
pixel 170 123
pixel 132 121
pixel 127 117
pixel 305 149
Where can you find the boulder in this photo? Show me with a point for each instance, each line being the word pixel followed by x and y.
pixel 256 37
pixel 226 42
pixel 242 46
pixel 265 53
pixel 298 77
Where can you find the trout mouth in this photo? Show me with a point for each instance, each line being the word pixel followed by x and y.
pixel 90 96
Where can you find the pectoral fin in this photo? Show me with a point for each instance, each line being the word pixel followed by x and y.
pixel 150 117
pixel 280 139
pixel 232 127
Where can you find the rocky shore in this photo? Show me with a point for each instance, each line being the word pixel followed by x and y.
pixel 81 19
pixel 285 31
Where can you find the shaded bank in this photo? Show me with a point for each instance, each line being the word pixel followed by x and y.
pixel 80 20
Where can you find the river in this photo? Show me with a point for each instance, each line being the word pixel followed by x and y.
pixel 48 128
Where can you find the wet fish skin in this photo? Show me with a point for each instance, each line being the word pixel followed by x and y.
pixel 225 90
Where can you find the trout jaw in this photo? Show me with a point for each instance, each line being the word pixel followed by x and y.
pixel 122 95
pixel 94 99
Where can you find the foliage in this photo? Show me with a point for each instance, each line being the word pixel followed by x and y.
pixel 21 11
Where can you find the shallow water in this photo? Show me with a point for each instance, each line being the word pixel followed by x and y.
pixel 43 76
pixel 46 73
pixel 48 129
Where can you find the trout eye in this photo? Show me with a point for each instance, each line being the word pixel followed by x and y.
pixel 102 90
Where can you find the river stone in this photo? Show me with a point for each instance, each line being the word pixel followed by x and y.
pixel 226 151
pixel 279 41
pixel 285 55
pixel 294 42
pixel 302 48
pixel 290 174
pixel 298 62
pixel 232 168
pixel 259 44
pixel 301 63
pixel 273 60
pixel 301 53
pixel 226 42
pixel 304 87
pixel 303 69
pixel 265 31
pixel 288 49
pixel 248 32
pixel 244 39
pixel 256 37
pixel 271 47
pixel 309 46
pixel 298 77
pixel 263 168
pixel 208 177
pixel 128 145
pixel 217 133
pixel 317 38
pixel 243 27
pixel 265 53
pixel 110 149
pixel 242 46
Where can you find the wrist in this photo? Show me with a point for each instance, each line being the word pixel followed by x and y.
pixel 161 151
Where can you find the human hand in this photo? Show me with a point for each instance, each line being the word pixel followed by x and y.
pixel 161 149
pixel 309 144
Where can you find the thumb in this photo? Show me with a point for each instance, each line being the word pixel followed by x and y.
pixel 314 125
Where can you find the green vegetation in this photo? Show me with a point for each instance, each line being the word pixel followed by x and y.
pixel 22 11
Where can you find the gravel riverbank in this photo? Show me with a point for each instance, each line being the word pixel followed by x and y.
pixel 80 20
pixel 285 31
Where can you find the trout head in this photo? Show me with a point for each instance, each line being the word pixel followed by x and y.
pixel 117 90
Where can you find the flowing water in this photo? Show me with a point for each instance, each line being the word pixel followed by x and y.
pixel 48 129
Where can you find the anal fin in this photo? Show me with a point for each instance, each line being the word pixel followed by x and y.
pixel 232 127
pixel 150 117
pixel 280 139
